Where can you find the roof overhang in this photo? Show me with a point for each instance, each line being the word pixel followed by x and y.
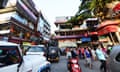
pixel 108 29
pixel 108 22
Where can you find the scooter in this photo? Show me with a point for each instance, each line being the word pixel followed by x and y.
pixel 73 65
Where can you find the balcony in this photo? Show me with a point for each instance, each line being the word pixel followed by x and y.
pixel 23 9
pixel 30 4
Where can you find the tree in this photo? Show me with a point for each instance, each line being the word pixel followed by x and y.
pixel 82 13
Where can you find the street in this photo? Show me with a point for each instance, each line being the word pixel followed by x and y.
pixel 61 66
pixel 33 32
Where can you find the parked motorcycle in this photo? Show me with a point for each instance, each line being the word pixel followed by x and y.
pixel 73 65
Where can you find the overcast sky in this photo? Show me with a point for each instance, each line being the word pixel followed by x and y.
pixel 54 8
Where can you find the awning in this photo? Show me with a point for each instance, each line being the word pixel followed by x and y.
pixel 109 22
pixel 108 29
pixel 92 33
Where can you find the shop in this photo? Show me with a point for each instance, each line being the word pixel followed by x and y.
pixel 110 31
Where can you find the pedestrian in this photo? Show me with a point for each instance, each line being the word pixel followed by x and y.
pixel 68 54
pixel 93 54
pixel 82 52
pixel 88 56
pixel 73 53
pixel 101 57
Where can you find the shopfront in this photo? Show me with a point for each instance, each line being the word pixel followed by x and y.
pixel 110 30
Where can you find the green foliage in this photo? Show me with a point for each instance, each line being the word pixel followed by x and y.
pixel 93 4
pixel 85 15
pixel 84 6
pixel 73 20
pixel 99 7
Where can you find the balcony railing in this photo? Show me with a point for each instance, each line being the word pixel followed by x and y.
pixel 23 9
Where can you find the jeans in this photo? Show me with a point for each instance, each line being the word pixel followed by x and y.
pixel 103 65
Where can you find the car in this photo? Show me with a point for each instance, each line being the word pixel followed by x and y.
pixel 36 50
pixel 53 54
pixel 114 59
pixel 12 60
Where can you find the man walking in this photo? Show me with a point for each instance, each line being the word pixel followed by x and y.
pixel 101 57
pixel 88 56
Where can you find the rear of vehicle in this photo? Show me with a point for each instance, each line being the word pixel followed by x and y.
pixel 73 65
pixel 53 54
pixel 38 53
pixel 36 50
pixel 38 63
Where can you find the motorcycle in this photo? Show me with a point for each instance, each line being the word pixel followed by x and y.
pixel 73 65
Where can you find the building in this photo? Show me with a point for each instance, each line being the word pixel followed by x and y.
pixel 109 29
pixel 109 32
pixel 19 21
pixel 44 27
pixel 72 35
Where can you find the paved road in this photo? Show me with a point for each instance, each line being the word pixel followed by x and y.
pixel 61 66
pixel 95 67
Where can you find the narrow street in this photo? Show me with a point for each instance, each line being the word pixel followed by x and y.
pixel 33 32
pixel 95 68
pixel 61 66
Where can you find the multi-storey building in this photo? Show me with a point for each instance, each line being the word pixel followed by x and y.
pixel 71 35
pixel 44 27
pixel 109 29
pixel 19 20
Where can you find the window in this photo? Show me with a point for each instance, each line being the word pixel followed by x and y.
pixel 118 57
pixel 36 49
pixel 9 55
pixel 3 3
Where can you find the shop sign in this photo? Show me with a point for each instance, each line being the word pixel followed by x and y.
pixel 67 43
pixel 85 39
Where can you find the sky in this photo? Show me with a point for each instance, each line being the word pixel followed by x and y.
pixel 55 8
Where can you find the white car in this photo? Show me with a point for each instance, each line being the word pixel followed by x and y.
pixel 40 63
pixel 12 60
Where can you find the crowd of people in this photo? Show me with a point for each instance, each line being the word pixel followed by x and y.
pixel 91 54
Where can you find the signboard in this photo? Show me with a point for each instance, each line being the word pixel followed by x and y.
pixel 85 39
pixel 67 43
